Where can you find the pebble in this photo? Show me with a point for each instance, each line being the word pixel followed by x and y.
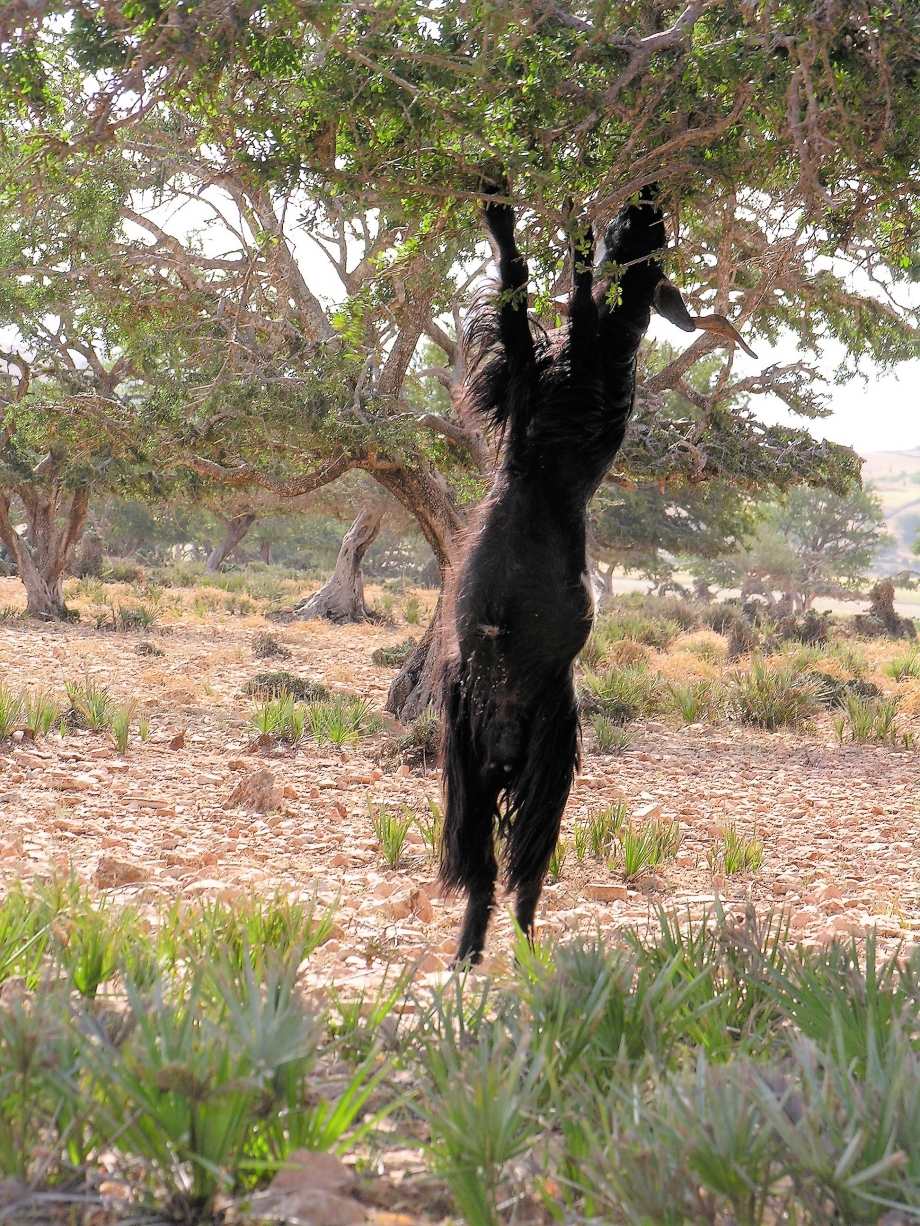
pixel 828 856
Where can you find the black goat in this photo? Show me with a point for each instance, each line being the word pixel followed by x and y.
pixel 523 603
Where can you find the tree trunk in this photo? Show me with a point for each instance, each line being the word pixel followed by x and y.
pixel 43 564
pixel 605 578
pixel 342 598
pixel 265 553
pixel 417 685
pixel 425 495
pixel 237 528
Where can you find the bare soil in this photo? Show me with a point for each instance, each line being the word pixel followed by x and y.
pixel 829 816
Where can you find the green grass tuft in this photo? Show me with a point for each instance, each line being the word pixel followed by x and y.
pixel 773 696
pixel 867 721
pixel 90 704
pixel 596 836
pixel 10 710
pixel 904 666
pixel 736 852
pixel 390 830
pixel 620 694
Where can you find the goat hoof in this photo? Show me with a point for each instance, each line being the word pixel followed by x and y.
pixel 465 962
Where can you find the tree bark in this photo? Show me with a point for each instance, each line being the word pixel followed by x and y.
pixel 426 496
pixel 341 600
pixel 417 685
pixel 422 491
pixel 43 564
pixel 237 528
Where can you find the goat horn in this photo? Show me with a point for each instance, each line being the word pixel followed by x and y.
pixel 719 326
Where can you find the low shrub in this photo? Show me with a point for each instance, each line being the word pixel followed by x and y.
pixel 417 747
pixel 811 628
pixel 743 638
pixel 832 692
pixel 620 694
pixel 119 570
pixel 265 646
pixel 395 656
pixel 721 615
pixel 772 697
pixel 273 685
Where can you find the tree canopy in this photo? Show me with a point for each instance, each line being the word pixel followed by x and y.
pixel 810 543
pixel 784 137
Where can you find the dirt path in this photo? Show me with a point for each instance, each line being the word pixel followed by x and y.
pixel 844 818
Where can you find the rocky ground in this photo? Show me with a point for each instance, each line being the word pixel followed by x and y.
pixel 839 824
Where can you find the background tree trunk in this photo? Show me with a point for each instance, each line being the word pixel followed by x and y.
pixel 426 496
pixel 417 685
pixel 42 565
pixel 237 527
pixel 342 598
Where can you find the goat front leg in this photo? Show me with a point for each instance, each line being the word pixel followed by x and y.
pixel 513 278
pixel 582 313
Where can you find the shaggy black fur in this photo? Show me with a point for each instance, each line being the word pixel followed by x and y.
pixel 523 604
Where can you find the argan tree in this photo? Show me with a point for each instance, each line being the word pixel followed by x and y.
pixel 809 543
pixel 784 139
pixel 69 424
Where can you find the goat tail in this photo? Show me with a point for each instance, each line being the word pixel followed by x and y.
pixel 470 812
pixel 540 788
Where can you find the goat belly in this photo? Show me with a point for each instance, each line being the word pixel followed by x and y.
pixel 530 601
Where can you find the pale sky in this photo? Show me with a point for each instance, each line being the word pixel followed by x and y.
pixel 879 413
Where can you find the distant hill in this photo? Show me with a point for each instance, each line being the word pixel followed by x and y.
pixel 896 477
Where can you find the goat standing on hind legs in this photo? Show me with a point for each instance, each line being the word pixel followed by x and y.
pixel 523 604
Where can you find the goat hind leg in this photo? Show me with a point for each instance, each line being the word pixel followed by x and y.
pixel 540 794
pixel 529 888
pixel 467 842
pixel 479 906
pixel 479 872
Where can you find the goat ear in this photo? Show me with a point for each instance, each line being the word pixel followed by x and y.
pixel 669 303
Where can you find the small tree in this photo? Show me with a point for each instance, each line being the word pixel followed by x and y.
pixel 811 543
pixel 83 345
